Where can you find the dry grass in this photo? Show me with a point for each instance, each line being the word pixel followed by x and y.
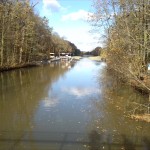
pixel 144 117
pixel 97 58
pixel 76 57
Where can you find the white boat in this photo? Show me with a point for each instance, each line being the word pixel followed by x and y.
pixel 52 55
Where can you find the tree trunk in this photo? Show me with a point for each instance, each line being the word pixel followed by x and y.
pixel 21 48
pixel 2 43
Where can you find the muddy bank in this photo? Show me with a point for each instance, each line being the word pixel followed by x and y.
pixel 140 87
pixel 8 68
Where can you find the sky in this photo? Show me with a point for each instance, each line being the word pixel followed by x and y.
pixel 69 19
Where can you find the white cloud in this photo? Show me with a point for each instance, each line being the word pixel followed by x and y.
pixel 80 36
pixel 51 5
pixel 80 92
pixel 79 15
pixel 49 102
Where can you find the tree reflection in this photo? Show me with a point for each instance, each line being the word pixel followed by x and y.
pixel 94 140
pixel 128 145
pixel 109 115
pixel 20 93
pixel 146 143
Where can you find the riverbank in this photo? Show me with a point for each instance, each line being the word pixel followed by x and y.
pixel 39 63
pixel 96 58
pixel 76 57
pixel 140 111
pixel 141 86
pixel 33 64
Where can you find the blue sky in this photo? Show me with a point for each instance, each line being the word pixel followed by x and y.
pixel 69 19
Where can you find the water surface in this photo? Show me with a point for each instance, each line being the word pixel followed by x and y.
pixel 67 106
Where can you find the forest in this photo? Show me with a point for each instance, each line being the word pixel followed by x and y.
pixel 126 27
pixel 26 37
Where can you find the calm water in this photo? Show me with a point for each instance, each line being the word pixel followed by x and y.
pixel 66 106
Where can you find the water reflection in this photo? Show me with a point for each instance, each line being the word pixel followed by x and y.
pixel 80 91
pixel 65 108
pixel 49 102
pixel 94 141
pixel 20 93
pixel 110 115
pixel 73 141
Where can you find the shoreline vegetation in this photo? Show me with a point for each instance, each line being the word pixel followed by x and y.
pixel 127 28
pixel 141 87
pixel 39 63
pixel 27 65
pixel 139 110
pixel 26 37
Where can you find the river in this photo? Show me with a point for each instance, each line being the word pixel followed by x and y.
pixel 68 106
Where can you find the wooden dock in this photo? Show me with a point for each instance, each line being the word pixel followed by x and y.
pixel 55 59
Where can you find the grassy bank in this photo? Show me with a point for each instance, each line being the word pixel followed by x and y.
pixel 76 57
pixel 96 58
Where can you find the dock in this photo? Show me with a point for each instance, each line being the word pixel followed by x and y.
pixel 55 59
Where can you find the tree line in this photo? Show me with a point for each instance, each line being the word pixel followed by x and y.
pixel 95 52
pixel 127 36
pixel 25 36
